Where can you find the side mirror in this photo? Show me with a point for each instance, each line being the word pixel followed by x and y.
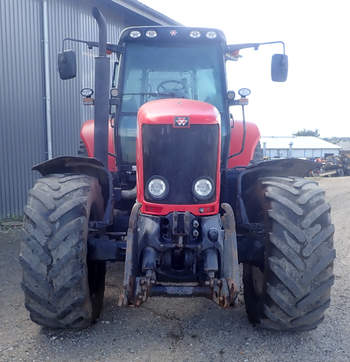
pixel 67 64
pixel 279 67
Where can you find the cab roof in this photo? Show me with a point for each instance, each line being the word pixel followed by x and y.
pixel 168 34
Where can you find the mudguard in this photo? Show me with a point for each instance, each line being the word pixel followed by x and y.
pixel 241 181
pixel 283 167
pixel 87 136
pixel 236 139
pixel 86 166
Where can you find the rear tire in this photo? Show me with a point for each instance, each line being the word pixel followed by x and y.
pixel 292 290
pixel 62 289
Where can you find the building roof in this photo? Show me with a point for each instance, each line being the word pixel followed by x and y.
pixel 301 142
pixel 145 11
pixel 343 142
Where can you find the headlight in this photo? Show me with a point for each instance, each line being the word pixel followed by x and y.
pixel 203 188
pixel 157 187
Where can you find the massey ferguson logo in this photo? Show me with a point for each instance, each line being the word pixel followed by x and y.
pixel 182 122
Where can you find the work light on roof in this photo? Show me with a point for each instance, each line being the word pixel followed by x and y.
pixel 151 33
pixel 211 34
pixel 135 34
pixel 195 34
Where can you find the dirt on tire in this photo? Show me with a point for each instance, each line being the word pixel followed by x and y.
pixel 296 280
pixel 59 290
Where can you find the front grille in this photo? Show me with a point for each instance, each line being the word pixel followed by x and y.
pixel 181 156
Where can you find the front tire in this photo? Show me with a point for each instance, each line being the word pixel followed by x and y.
pixel 292 290
pixel 62 289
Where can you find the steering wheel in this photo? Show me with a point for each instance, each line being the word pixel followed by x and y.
pixel 178 86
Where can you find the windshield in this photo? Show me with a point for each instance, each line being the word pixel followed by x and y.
pixel 155 71
pixel 182 71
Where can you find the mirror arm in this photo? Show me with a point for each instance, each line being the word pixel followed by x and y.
pixel 114 48
pixel 234 47
pixel 276 42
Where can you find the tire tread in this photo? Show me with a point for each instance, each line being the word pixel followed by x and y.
pixel 52 254
pixel 299 257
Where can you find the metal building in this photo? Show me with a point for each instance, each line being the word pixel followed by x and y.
pixel 298 147
pixel 40 115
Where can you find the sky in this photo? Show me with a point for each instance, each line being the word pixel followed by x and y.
pixel 317 36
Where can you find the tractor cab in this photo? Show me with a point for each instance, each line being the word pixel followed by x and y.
pixel 162 63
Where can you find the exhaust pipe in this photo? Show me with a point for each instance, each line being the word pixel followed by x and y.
pixel 102 77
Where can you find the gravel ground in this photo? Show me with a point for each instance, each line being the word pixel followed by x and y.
pixel 165 329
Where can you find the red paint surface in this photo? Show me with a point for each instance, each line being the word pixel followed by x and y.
pixel 87 135
pixel 252 139
pixel 163 112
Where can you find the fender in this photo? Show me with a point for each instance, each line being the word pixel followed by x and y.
pixel 85 166
pixel 87 136
pixel 240 182
pixel 236 138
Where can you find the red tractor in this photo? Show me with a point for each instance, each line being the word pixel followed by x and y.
pixel 171 187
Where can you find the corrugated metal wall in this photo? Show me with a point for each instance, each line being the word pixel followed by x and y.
pixel 66 100
pixel 23 140
pixel 22 127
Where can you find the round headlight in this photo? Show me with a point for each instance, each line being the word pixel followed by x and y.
pixel 203 188
pixel 157 187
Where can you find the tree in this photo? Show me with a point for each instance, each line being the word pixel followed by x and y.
pixel 307 132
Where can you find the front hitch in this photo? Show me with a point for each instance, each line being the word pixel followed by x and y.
pixel 216 251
